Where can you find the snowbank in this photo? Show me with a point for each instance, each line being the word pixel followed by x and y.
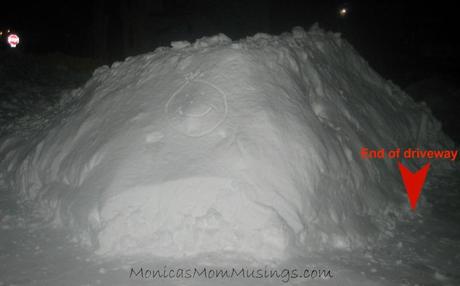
pixel 248 147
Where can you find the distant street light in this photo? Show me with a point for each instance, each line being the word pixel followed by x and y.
pixel 343 12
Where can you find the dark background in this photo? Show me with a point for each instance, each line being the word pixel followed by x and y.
pixel 405 41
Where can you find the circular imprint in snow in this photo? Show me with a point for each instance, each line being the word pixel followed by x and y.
pixel 196 108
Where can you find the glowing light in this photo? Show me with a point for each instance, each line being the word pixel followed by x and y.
pixel 1 33
pixel 343 12
pixel 7 31
pixel 13 40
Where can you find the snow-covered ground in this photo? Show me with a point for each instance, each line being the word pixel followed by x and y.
pixel 221 154
pixel 424 251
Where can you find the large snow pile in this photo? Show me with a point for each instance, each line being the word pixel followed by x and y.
pixel 248 147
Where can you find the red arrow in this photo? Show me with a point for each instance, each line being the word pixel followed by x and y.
pixel 413 182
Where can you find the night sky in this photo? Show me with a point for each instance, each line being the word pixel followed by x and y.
pixel 388 34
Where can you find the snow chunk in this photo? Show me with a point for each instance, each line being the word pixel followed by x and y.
pixel 180 44
pixel 212 41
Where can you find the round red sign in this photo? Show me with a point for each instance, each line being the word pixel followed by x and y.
pixel 13 40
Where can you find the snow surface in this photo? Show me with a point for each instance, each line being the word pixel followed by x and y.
pixel 247 147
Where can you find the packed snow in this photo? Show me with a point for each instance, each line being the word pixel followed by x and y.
pixel 220 153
